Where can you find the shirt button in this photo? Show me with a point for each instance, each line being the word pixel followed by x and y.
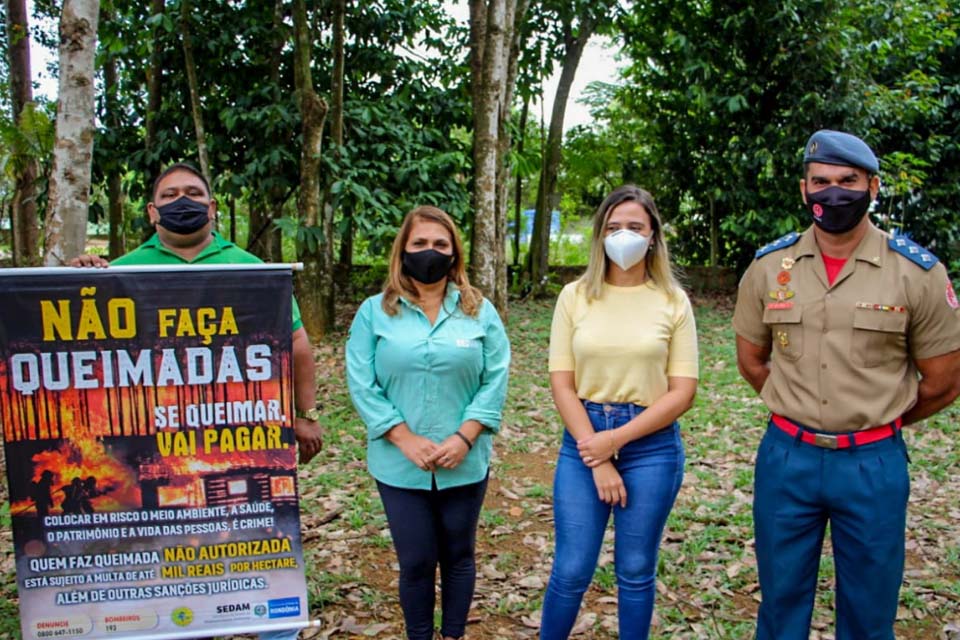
pixel 824 402
pixel 823 366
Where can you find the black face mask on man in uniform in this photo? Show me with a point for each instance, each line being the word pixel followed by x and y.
pixel 427 266
pixel 183 215
pixel 837 210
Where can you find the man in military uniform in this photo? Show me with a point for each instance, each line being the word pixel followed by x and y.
pixel 848 334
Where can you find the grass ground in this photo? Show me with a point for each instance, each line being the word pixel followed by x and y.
pixel 707 587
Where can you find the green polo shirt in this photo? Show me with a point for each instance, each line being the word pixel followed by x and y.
pixel 219 251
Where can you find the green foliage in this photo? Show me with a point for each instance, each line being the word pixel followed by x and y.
pixel 724 95
pixel 31 140
pixel 909 104
pixel 308 238
pixel 720 97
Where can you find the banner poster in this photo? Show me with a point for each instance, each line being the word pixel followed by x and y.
pixel 148 426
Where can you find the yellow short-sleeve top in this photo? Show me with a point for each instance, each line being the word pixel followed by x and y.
pixel 623 346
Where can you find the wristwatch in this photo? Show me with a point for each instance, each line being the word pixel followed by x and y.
pixel 313 415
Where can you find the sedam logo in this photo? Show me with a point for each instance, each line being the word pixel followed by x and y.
pixel 233 608
pixel 260 610
pixel 283 607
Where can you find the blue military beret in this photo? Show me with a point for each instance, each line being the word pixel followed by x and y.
pixel 837 147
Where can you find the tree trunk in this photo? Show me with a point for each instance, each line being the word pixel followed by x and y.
pixel 315 288
pixel 515 14
pixel 232 208
pixel 487 107
pixel 154 96
pixel 263 239
pixel 336 121
pixel 69 198
pixel 714 233
pixel 25 229
pixel 114 184
pixel 195 110
pixel 478 38
pixel 518 190
pixel 547 197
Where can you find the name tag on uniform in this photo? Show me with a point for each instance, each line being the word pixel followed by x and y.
pixel 465 344
pixel 779 305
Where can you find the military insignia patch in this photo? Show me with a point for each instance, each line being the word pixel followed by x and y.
pixel 780 243
pixel 913 252
pixel 952 296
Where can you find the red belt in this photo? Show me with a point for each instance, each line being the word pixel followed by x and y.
pixel 837 440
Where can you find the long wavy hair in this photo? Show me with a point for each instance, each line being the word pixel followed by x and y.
pixel 399 284
pixel 657 259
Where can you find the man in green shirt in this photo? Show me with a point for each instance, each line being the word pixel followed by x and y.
pixel 182 210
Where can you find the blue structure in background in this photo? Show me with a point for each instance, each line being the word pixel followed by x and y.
pixel 527 230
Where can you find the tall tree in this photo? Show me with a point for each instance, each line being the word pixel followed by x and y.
pixel 723 96
pixel 25 226
pixel 154 75
pixel 513 43
pixel 494 52
pixel 578 23
pixel 66 222
pixel 488 94
pixel 315 289
pixel 195 109
pixel 336 120
pixel 113 169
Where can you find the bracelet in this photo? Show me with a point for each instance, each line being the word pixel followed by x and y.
pixel 465 439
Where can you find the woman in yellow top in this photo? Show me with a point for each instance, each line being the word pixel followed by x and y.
pixel 623 368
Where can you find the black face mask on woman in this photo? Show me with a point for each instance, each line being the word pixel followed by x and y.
pixel 837 210
pixel 427 266
pixel 183 215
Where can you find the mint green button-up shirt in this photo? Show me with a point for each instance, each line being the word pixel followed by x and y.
pixel 433 377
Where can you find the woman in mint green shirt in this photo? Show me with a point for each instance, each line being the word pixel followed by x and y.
pixel 427 366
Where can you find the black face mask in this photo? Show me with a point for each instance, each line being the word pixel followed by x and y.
pixel 183 215
pixel 427 266
pixel 837 210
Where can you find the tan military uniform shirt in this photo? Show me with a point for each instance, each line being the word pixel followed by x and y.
pixel 843 355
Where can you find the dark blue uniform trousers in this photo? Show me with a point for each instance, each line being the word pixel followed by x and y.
pixel 862 491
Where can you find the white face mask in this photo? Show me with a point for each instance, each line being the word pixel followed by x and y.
pixel 626 248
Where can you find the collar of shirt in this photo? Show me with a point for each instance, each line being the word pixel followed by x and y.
pixel 450 301
pixel 871 250
pixel 218 244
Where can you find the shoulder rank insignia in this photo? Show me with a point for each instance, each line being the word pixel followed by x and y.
pixel 913 252
pixel 779 243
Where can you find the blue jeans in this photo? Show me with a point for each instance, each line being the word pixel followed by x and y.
pixel 652 471
pixel 862 491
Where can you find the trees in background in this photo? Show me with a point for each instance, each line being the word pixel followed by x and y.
pixel 25 228
pixel 715 102
pixel 65 229
pixel 574 23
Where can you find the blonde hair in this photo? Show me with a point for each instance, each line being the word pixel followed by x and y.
pixel 399 284
pixel 657 259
